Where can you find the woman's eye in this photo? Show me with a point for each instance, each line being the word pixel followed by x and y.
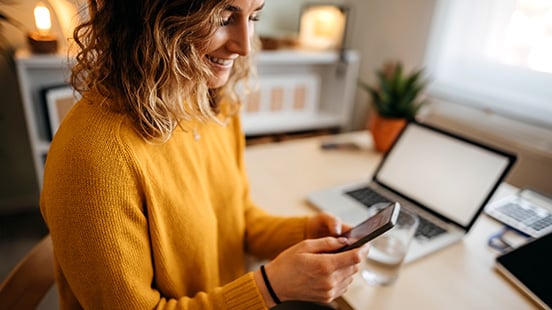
pixel 227 20
pixel 255 18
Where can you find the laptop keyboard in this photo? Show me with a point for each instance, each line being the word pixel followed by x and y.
pixel 427 229
pixel 368 197
pixel 536 218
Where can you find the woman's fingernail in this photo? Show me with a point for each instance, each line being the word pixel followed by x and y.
pixel 338 229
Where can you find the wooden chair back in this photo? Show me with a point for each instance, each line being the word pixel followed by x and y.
pixel 30 280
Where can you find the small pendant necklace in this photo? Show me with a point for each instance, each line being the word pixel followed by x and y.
pixel 196 134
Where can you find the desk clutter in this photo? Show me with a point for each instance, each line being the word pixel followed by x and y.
pixel 527 211
pixel 287 136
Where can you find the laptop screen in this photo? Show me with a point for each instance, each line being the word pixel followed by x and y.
pixel 449 175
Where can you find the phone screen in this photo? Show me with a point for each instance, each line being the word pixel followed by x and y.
pixel 372 227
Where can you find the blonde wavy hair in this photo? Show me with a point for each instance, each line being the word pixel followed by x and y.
pixel 145 57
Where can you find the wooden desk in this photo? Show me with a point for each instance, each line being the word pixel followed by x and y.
pixel 458 277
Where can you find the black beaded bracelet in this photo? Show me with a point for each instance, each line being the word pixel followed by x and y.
pixel 269 287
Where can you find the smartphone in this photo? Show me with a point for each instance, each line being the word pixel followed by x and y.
pixel 377 224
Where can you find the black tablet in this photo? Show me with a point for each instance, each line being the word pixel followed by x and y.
pixel 529 267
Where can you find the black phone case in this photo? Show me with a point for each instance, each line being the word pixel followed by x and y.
pixel 375 233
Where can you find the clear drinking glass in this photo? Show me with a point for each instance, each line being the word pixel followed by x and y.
pixel 387 252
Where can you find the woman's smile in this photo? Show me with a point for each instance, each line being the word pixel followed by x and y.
pixel 220 62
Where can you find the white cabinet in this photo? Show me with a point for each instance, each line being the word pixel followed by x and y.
pixel 296 90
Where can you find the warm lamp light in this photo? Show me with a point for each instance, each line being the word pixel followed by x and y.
pixel 43 21
pixel 42 41
pixel 322 27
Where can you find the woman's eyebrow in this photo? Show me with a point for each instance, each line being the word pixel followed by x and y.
pixel 260 7
pixel 233 8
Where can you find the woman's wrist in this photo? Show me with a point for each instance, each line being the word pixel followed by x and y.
pixel 269 285
pixel 257 275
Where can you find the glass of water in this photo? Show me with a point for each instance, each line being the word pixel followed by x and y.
pixel 387 252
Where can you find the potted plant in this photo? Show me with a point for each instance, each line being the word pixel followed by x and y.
pixel 395 100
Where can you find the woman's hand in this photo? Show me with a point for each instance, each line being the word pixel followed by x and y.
pixel 310 271
pixel 324 224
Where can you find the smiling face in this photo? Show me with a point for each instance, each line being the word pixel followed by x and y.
pixel 232 39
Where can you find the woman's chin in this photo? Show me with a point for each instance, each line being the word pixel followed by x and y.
pixel 218 82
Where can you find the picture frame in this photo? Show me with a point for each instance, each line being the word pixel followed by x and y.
pixel 59 100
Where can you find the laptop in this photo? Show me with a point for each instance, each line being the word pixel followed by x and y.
pixel 527 211
pixel 444 178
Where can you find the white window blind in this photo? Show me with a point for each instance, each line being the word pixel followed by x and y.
pixel 495 55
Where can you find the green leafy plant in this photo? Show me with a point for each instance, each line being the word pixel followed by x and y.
pixel 397 94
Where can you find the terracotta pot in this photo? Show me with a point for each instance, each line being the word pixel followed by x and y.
pixel 384 130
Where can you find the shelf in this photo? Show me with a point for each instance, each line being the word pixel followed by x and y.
pixel 291 56
pixel 298 90
pixel 267 124
pixel 25 57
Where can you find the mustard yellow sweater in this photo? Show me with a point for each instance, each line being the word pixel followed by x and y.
pixel 139 225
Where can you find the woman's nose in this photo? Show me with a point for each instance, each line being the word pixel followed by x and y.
pixel 240 38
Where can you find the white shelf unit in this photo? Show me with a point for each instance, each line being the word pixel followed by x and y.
pixel 327 82
pixel 35 73
pixel 333 77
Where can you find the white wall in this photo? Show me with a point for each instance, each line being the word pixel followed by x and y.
pixel 388 30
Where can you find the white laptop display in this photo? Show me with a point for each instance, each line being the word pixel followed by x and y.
pixel 444 178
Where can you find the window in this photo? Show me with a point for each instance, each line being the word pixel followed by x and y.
pixel 495 55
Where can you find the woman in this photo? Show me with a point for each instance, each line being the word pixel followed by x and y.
pixel 145 190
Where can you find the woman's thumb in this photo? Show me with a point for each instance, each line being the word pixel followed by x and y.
pixel 326 244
